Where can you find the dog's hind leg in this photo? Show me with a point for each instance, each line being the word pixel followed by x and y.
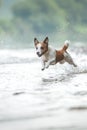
pixel 69 59
pixel 71 62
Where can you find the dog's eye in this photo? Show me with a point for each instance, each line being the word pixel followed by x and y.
pixel 42 48
pixel 36 48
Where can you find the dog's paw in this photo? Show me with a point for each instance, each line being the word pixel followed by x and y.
pixel 74 65
pixel 47 66
pixel 43 69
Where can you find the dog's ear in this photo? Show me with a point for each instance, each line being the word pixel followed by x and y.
pixel 36 41
pixel 46 40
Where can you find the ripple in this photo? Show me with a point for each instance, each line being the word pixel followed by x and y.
pixel 81 93
pixel 78 108
pixel 18 93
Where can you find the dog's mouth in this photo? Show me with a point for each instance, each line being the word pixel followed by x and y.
pixel 39 55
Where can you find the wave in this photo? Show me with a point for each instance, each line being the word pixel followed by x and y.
pixel 17 56
pixel 29 56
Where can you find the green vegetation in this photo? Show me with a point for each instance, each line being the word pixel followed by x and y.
pixel 0 2
pixel 59 19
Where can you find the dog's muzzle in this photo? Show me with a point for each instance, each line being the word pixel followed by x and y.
pixel 39 54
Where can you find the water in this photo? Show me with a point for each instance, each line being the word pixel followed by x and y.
pixel 31 99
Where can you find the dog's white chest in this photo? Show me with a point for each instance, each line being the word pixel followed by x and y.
pixel 49 56
pixel 45 57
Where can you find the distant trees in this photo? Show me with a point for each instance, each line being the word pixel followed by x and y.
pixel 43 15
pixel 0 2
pixel 63 18
pixel 47 15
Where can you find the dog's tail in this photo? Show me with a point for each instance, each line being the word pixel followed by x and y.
pixel 66 44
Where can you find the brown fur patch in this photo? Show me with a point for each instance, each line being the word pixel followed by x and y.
pixel 59 55
pixel 44 48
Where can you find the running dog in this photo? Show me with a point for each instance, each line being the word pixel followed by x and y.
pixel 51 56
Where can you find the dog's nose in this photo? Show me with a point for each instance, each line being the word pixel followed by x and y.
pixel 37 53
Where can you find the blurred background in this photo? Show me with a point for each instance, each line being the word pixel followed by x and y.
pixel 22 20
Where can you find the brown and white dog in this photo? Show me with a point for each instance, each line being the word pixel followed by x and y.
pixel 51 56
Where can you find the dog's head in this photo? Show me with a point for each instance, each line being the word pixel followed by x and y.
pixel 41 47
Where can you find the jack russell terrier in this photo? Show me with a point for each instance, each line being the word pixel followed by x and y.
pixel 51 56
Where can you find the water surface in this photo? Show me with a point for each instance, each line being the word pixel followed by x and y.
pixel 31 99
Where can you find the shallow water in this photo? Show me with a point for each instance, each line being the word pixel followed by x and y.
pixel 31 99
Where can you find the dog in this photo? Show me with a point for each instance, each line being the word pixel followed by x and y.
pixel 50 56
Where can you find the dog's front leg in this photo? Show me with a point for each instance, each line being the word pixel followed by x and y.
pixel 50 62
pixel 43 65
